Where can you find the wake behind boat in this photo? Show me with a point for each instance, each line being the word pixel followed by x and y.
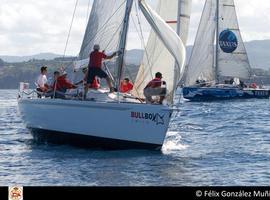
pixel 115 120
pixel 210 65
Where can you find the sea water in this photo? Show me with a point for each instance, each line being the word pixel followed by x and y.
pixel 208 144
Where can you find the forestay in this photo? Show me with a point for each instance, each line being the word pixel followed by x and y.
pixel 163 48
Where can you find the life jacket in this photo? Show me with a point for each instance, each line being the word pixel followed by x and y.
pixel 126 88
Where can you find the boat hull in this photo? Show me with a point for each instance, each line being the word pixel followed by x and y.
pixel 87 141
pixel 96 125
pixel 215 93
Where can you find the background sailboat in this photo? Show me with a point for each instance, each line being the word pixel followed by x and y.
pixel 211 64
pixel 108 122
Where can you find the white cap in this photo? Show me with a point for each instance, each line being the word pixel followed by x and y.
pixel 96 47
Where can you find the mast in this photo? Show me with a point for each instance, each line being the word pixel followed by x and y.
pixel 122 45
pixel 178 31
pixel 179 15
pixel 217 45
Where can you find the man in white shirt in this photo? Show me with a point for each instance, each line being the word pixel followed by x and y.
pixel 42 80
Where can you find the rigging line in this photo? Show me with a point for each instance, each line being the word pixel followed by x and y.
pixel 146 52
pixel 145 48
pixel 70 28
pixel 133 79
pixel 112 39
pixel 151 64
pixel 137 30
pixel 103 26
pixel 142 43
pixel 88 12
pixel 127 70
pixel 141 31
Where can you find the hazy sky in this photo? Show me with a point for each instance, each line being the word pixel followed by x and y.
pixel 34 26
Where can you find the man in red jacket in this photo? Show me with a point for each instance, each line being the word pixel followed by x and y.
pixel 126 86
pixel 95 67
pixel 154 88
pixel 61 85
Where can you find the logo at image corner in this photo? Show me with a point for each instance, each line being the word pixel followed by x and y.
pixel 228 41
pixel 15 193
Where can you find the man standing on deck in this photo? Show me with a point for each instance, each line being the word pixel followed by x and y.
pixel 95 68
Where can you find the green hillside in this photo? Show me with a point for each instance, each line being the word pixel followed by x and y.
pixel 11 74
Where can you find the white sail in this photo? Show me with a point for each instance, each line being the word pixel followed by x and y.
pixel 235 63
pixel 157 58
pixel 104 26
pixel 201 63
pixel 184 10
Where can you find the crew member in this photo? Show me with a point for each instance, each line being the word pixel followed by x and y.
pixel 155 88
pixel 61 85
pixel 95 85
pixel 95 67
pixel 126 86
pixel 42 81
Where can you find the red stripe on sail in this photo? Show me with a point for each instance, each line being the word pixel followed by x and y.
pixel 171 22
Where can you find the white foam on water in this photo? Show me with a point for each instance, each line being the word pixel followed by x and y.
pixel 173 143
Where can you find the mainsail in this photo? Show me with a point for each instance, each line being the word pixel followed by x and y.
pixel 231 59
pixel 104 26
pixel 157 58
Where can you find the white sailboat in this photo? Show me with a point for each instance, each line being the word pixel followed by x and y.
pixel 211 64
pixel 110 121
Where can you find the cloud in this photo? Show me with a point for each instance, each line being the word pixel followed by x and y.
pixel 253 17
pixel 29 27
